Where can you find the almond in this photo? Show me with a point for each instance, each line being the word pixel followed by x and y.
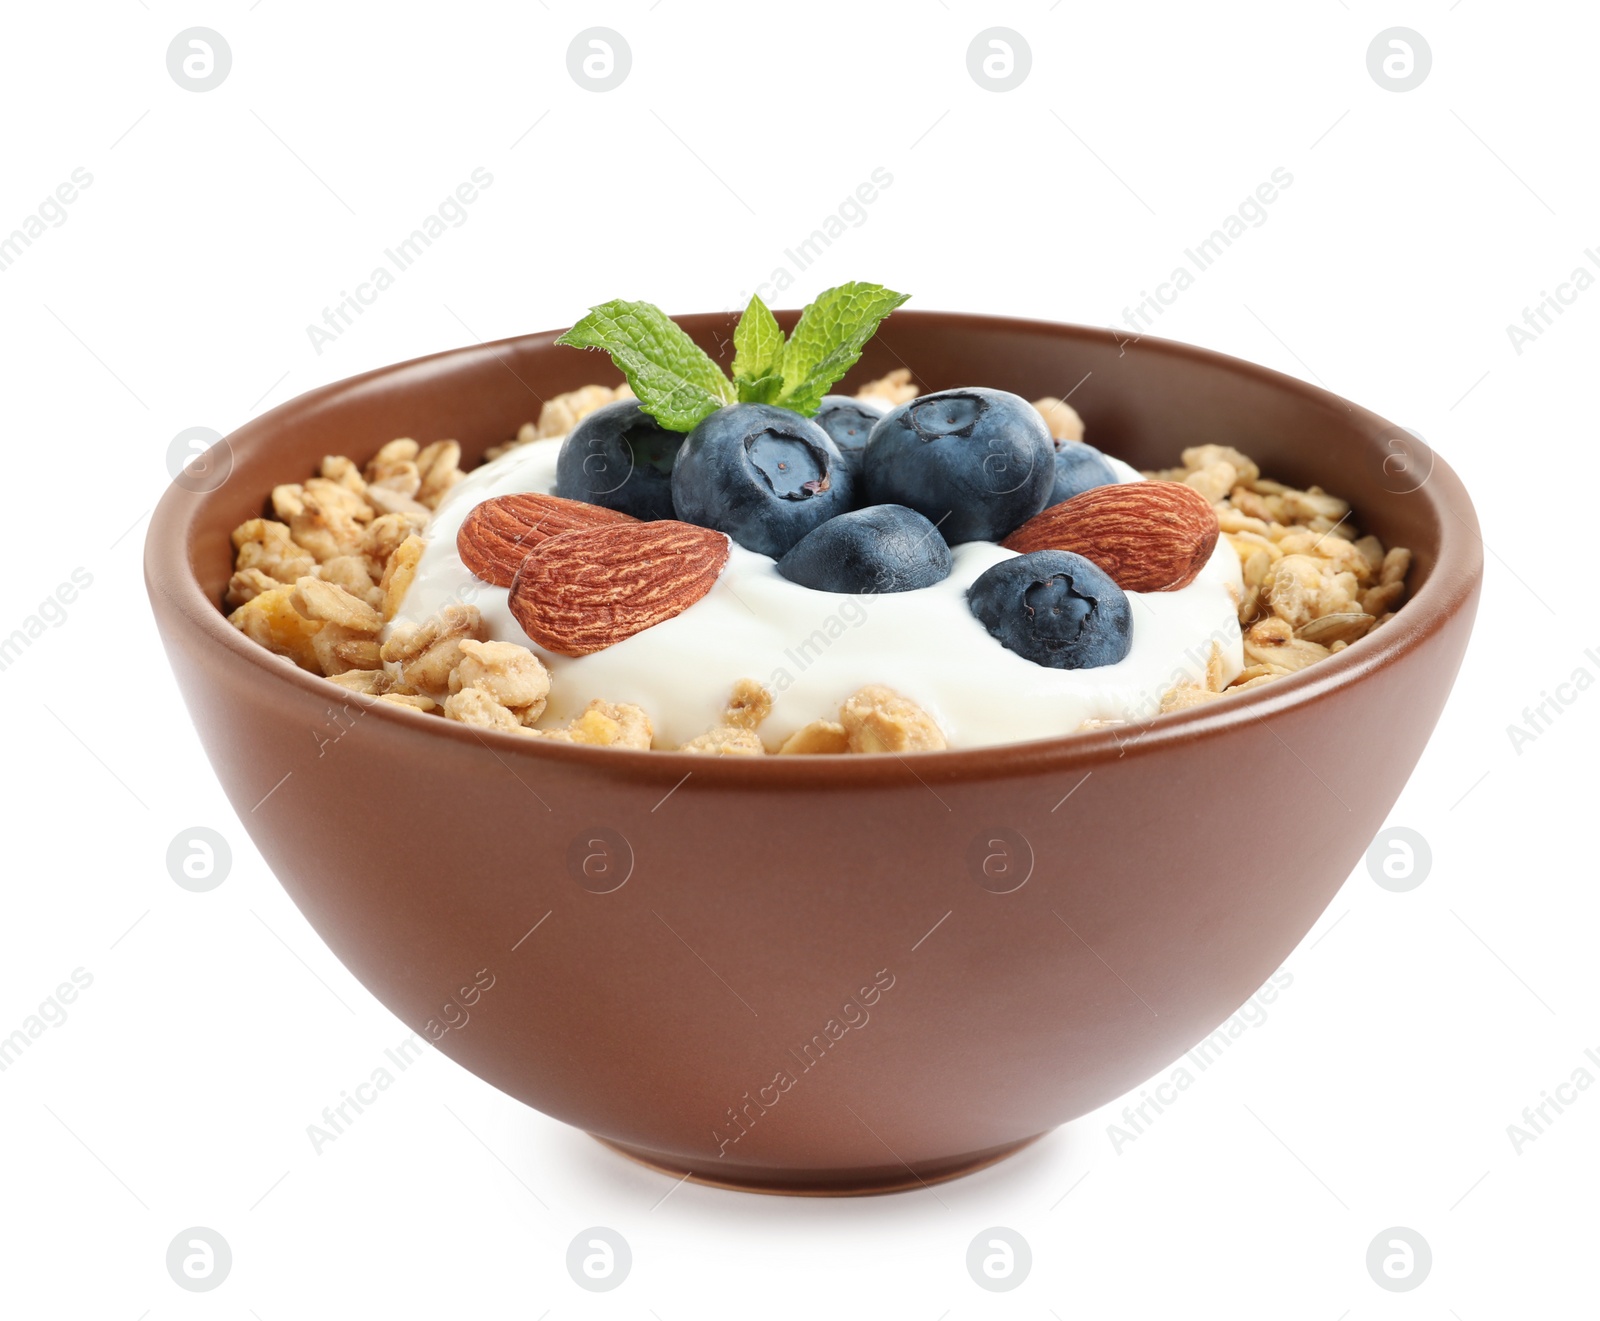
pixel 583 591
pixel 498 534
pixel 1149 536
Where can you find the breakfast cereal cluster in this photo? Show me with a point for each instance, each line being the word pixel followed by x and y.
pixel 322 580
pixel 318 581
pixel 1313 584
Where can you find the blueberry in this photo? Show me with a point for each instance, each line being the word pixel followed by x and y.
pixel 849 421
pixel 619 457
pixel 978 462
pixel 882 548
pixel 1079 468
pixel 1054 608
pixel 766 476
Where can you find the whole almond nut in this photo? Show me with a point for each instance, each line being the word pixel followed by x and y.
pixel 1149 536
pixel 498 534
pixel 583 591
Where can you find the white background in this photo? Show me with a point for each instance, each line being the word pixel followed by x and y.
pixel 177 294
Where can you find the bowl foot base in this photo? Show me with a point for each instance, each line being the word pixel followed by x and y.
pixel 820 1183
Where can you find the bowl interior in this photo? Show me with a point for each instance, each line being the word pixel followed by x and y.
pixel 1143 400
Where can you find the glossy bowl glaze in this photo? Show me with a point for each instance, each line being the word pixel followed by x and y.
pixel 798 974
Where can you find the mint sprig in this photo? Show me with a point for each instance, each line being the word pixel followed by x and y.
pixel 679 385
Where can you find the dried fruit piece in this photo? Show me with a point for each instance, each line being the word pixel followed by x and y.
pixel 271 620
pixel 498 534
pixel 1149 536
pixel 581 592
pixel 605 725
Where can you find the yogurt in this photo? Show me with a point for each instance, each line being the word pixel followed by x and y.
pixel 813 649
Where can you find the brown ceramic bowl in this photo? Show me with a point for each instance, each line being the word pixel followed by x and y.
pixel 798 983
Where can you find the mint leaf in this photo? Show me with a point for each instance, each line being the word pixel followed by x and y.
pixel 676 382
pixel 762 390
pixel 827 340
pixel 758 347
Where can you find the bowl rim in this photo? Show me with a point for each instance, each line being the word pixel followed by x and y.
pixel 1454 578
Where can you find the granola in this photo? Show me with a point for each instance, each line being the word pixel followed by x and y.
pixel 1313 583
pixel 322 580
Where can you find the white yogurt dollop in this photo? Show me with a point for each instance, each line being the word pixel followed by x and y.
pixel 813 649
